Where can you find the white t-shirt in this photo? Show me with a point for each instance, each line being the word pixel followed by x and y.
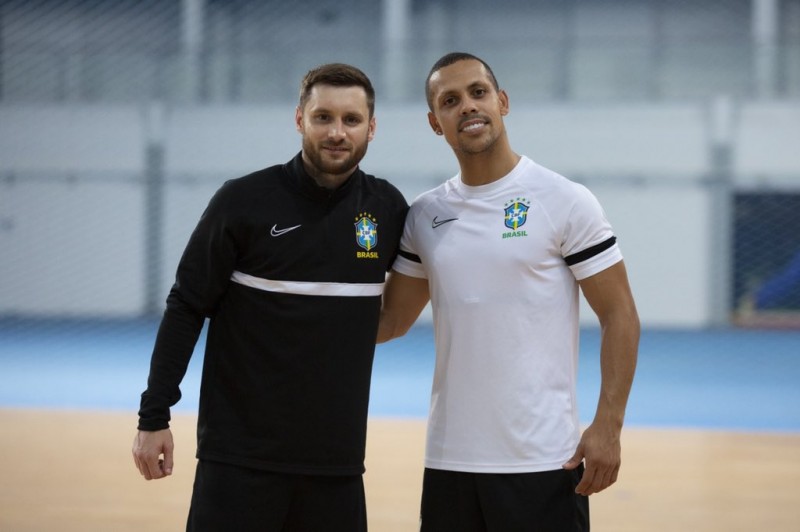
pixel 505 310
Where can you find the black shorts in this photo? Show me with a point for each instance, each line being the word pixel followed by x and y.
pixel 228 497
pixel 495 502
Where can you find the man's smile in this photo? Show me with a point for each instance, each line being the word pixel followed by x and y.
pixel 473 124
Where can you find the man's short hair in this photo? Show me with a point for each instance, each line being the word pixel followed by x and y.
pixel 338 75
pixel 448 60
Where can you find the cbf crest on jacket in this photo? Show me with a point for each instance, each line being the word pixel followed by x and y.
pixel 367 236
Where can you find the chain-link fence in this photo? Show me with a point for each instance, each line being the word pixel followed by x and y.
pixel 76 75
pixel 766 257
pixel 255 50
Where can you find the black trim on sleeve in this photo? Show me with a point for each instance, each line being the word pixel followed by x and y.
pixel 409 256
pixel 588 253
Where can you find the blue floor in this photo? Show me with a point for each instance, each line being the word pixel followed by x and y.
pixel 720 379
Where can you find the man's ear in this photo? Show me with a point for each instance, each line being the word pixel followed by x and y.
pixel 504 103
pixel 298 119
pixel 434 123
pixel 373 125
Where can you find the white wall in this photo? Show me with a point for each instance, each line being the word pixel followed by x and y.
pixel 77 246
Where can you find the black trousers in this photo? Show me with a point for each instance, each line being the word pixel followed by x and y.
pixel 516 502
pixel 239 499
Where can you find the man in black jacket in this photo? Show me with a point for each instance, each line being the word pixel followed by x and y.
pixel 288 263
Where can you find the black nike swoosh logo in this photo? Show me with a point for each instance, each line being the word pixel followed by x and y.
pixel 436 222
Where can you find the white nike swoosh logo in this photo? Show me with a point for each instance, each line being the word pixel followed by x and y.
pixel 278 232
pixel 436 222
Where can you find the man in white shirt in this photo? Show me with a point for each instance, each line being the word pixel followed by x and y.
pixel 501 251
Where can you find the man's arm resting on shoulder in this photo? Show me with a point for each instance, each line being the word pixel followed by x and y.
pixel 609 295
pixel 404 297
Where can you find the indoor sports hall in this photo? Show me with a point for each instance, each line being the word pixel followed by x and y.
pixel 119 120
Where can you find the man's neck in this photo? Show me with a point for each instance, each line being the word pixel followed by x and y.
pixel 486 167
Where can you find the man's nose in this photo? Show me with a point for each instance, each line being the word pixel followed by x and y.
pixel 468 106
pixel 336 130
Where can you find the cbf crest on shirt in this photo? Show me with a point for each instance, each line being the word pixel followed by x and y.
pixel 366 236
pixel 515 216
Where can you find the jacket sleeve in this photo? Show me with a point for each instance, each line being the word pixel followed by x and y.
pixel 400 211
pixel 203 275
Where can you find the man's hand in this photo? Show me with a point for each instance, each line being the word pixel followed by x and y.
pixel 600 448
pixel 148 449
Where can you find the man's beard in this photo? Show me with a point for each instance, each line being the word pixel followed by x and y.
pixel 326 166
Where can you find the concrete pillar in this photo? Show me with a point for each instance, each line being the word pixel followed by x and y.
pixel 154 190
pixel 563 89
pixel 192 37
pixel 396 27
pixel 765 46
pixel 722 130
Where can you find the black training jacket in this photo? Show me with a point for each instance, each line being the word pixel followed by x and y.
pixel 290 276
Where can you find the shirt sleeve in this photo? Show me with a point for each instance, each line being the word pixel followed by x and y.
pixel 588 245
pixel 408 261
